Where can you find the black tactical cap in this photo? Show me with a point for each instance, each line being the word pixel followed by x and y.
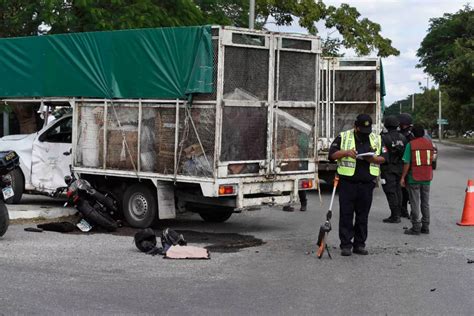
pixel 364 122
pixel 405 119
pixel 391 121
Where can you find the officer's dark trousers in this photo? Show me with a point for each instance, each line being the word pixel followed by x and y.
pixel 393 192
pixel 354 198
pixel 405 200
pixel 303 198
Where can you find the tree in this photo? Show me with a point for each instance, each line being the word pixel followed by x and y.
pixel 100 15
pixel 33 17
pixel 447 54
pixel 425 111
pixel 358 33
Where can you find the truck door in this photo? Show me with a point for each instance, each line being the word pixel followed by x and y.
pixel 268 103
pixel 349 86
pixel 48 164
pixel 296 93
pixel 247 100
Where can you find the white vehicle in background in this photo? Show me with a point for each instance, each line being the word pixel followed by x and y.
pixel 42 163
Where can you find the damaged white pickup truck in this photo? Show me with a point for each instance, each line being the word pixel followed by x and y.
pixel 42 163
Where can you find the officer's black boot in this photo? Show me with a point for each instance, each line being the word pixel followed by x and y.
pixel 414 230
pixel 392 220
pixel 405 213
pixel 425 229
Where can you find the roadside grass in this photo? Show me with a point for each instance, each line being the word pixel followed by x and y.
pixel 463 141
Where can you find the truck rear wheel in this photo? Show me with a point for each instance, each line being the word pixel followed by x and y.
pixel 139 206
pixel 18 186
pixel 215 215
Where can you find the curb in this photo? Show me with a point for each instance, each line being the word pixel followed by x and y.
pixel 448 143
pixel 40 214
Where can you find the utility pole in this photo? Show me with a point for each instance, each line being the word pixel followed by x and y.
pixel 413 103
pixel 427 83
pixel 400 107
pixel 6 124
pixel 252 15
pixel 440 126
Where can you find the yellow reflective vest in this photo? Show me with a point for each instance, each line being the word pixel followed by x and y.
pixel 346 165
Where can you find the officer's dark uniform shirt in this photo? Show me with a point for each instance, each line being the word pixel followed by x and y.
pixel 395 143
pixel 362 173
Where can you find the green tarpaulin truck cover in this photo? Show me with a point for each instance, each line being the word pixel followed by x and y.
pixel 162 63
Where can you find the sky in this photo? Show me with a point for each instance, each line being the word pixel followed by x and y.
pixel 405 22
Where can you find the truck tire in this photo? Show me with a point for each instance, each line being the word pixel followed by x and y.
pixel 4 219
pixel 433 165
pixel 96 217
pixel 216 215
pixel 139 206
pixel 18 186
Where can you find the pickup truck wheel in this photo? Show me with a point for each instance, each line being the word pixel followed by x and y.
pixel 18 186
pixel 216 216
pixel 139 206
pixel 4 219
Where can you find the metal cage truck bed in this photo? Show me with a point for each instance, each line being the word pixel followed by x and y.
pixel 349 86
pixel 208 119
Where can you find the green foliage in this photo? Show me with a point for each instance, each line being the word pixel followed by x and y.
pixel 22 17
pixel 426 108
pixel 96 15
pixel 426 111
pixel 447 54
pixel 360 34
pixel 331 47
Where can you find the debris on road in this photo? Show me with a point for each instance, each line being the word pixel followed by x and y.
pixel 173 245
pixel 33 230
pixel 187 252
pixel 60 227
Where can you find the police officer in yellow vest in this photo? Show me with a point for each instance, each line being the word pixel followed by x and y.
pixel 359 154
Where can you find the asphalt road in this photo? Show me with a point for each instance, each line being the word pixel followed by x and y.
pixel 51 273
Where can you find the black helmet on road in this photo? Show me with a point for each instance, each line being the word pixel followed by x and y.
pixel 405 119
pixel 391 121
pixel 145 240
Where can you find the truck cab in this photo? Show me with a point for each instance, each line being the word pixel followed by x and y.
pixel 42 163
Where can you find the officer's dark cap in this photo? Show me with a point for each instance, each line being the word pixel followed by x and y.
pixel 391 121
pixel 364 123
pixel 405 119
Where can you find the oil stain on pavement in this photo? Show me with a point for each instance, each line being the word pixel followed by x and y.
pixel 215 242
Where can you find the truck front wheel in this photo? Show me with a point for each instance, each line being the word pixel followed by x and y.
pixel 139 206
pixel 18 186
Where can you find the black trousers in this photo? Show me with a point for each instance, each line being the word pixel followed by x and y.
pixel 354 198
pixel 405 200
pixel 393 192
pixel 302 196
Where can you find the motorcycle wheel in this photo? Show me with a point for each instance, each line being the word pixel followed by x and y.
pixel 4 218
pixel 96 217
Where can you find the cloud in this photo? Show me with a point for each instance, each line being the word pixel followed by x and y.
pixel 409 54
pixel 405 22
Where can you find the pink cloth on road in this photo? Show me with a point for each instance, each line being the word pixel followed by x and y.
pixel 187 252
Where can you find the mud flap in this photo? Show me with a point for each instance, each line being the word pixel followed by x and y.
pixel 166 204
